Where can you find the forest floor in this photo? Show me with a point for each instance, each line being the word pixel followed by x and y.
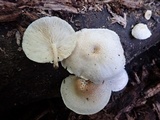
pixel 30 91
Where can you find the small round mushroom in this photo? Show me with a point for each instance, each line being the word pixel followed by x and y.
pixel 44 40
pixel 98 55
pixel 119 81
pixel 141 31
pixel 148 14
pixel 84 97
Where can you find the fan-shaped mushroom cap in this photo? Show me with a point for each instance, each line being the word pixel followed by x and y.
pixel 84 97
pixel 141 31
pixel 44 40
pixel 98 55
pixel 119 81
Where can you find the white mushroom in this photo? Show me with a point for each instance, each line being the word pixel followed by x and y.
pixel 84 97
pixel 141 31
pixel 45 40
pixel 148 14
pixel 98 55
pixel 119 81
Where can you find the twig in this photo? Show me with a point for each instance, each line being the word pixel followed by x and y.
pixel 129 117
pixel 41 115
pixel 140 101
pixel 18 38
pixel 152 91
pixel 132 3
pixel 10 17
pixel 137 78
pixel 7 4
pixel 157 108
pixel 31 16
pixel 58 7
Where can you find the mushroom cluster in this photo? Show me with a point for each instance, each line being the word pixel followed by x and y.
pixel 94 57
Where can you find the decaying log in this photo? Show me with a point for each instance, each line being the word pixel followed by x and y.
pixel 68 6
pixel 10 17
pixel 132 3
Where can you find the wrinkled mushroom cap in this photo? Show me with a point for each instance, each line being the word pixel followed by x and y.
pixel 140 31
pixel 44 40
pixel 84 97
pixel 119 81
pixel 98 55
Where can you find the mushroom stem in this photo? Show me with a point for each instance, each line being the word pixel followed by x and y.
pixel 55 56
